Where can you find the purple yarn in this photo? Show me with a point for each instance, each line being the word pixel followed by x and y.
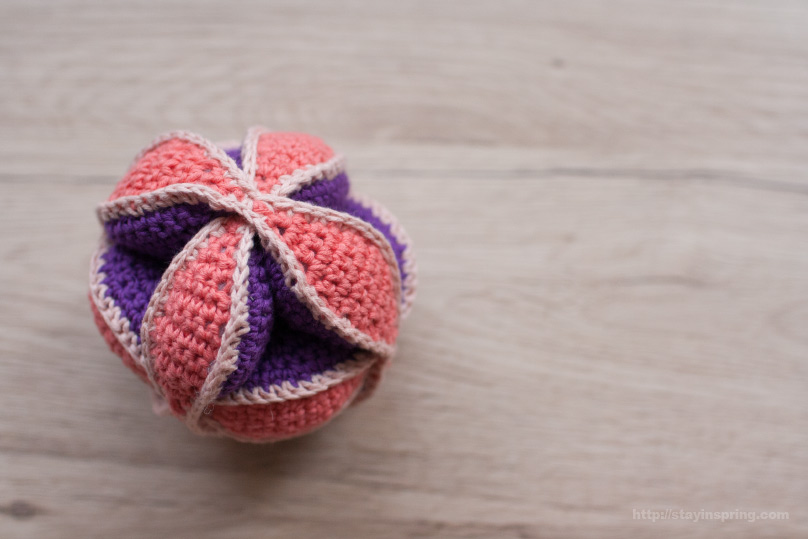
pixel 295 356
pixel 260 317
pixel 327 193
pixel 235 155
pixel 293 348
pixel 162 233
pixel 131 279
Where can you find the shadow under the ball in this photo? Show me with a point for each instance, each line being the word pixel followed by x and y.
pixel 342 452
pixel 285 457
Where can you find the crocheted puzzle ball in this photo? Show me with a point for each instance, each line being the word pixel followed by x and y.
pixel 247 284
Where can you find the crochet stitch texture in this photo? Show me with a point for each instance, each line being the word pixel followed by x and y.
pixel 249 286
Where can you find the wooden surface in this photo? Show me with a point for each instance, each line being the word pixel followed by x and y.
pixel 609 202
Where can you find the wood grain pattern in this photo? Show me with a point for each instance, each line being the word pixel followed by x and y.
pixel 610 209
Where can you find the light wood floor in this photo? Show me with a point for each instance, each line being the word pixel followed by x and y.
pixel 609 202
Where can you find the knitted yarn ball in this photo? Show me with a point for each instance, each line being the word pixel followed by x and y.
pixel 247 284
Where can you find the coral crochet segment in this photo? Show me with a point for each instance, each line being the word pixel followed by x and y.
pixel 247 284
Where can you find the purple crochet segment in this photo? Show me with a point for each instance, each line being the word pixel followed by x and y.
pixel 285 343
pixel 160 234
pixel 131 279
pixel 235 155
pixel 260 317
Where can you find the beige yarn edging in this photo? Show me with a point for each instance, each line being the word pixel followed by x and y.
pixel 236 326
pixel 410 266
pixel 346 370
pixel 110 312
pixel 157 302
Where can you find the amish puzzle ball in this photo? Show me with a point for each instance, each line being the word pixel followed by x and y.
pixel 248 285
